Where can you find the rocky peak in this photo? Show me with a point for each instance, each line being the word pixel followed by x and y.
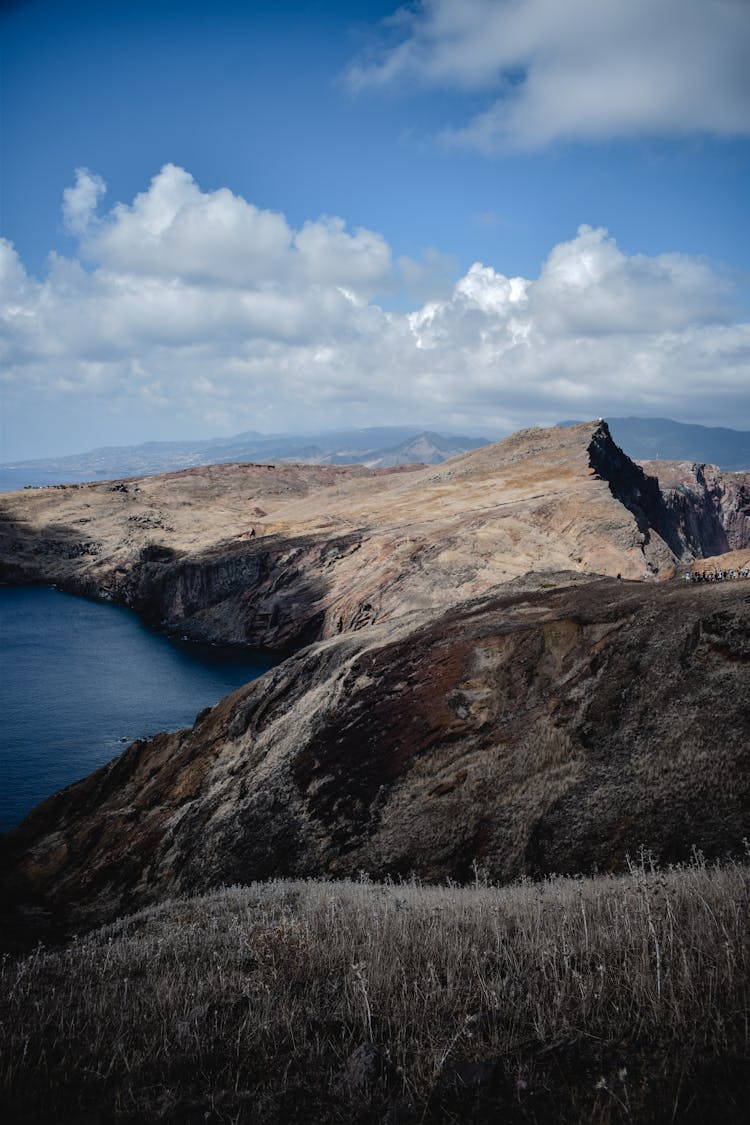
pixel 638 492
pixel 283 555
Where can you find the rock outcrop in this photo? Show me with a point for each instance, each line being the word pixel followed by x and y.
pixel 283 555
pixel 465 685
pixel 709 509
pixel 556 726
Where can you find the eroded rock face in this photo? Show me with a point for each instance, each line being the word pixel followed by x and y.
pixel 281 556
pixel 710 508
pixel 536 730
pixel 473 689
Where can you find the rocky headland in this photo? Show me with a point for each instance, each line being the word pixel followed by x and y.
pixel 481 670
pixel 711 508
pixel 281 555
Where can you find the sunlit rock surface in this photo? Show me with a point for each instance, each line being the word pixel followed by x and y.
pixel 478 686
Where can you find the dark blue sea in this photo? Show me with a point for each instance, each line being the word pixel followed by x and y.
pixel 13 479
pixel 79 680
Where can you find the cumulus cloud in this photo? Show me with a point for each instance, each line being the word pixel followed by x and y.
pixel 576 70
pixel 197 312
pixel 80 202
pixel 174 230
pixel 429 278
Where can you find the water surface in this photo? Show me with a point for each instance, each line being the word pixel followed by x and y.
pixel 11 480
pixel 79 680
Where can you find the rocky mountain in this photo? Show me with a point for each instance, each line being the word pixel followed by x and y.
pixel 381 446
pixel 710 507
pixel 376 447
pixel 467 679
pixel 555 728
pixel 648 439
pixel 427 449
pixel 279 555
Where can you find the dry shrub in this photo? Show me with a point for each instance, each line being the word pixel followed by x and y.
pixel 599 1000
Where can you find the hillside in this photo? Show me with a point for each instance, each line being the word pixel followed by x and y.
pixel 475 688
pixel 280 555
pixel 554 727
pixel 603 1001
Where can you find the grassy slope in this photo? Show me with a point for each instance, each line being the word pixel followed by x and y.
pixel 599 1000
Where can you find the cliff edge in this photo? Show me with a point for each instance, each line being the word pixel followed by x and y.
pixel 469 680
pixel 553 728
pixel 283 555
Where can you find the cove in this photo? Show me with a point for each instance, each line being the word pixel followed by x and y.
pixel 79 680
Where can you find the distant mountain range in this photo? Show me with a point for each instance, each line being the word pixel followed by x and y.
pixel 382 447
pixel 378 447
pixel 661 439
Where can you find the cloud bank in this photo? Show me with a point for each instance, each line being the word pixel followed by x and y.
pixel 187 313
pixel 575 70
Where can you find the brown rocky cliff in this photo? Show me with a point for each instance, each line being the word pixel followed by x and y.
pixel 536 730
pixel 710 508
pixel 475 691
pixel 334 550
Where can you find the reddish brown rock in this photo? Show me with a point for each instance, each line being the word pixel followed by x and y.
pixel 711 507
pixel 477 692
pixel 547 729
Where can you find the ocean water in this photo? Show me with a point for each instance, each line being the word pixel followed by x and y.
pixel 79 680
pixel 13 479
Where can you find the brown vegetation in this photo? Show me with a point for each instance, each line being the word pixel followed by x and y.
pixel 604 1000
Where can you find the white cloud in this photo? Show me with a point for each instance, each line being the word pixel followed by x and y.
pixel 429 278
pixel 174 230
pixel 172 331
pixel 576 70
pixel 80 202
pixel 589 287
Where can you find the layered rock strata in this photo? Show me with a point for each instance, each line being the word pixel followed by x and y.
pixel 474 688
pixel 554 727
pixel 283 555
pixel 710 509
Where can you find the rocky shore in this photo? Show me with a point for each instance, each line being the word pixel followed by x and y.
pixel 482 670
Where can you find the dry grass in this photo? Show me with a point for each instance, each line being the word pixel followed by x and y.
pixel 596 1000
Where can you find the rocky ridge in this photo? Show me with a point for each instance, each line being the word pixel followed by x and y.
pixel 477 690
pixel 282 555
pixel 556 727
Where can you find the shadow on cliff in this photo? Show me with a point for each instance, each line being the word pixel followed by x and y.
pixel 270 593
pixel 642 496
pixel 29 556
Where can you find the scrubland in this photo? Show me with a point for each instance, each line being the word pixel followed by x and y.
pixel 611 999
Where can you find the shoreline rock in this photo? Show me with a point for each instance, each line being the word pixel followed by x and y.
pixel 466 679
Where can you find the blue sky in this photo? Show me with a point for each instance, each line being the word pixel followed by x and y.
pixel 479 215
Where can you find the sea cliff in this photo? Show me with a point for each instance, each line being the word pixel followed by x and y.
pixel 482 668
